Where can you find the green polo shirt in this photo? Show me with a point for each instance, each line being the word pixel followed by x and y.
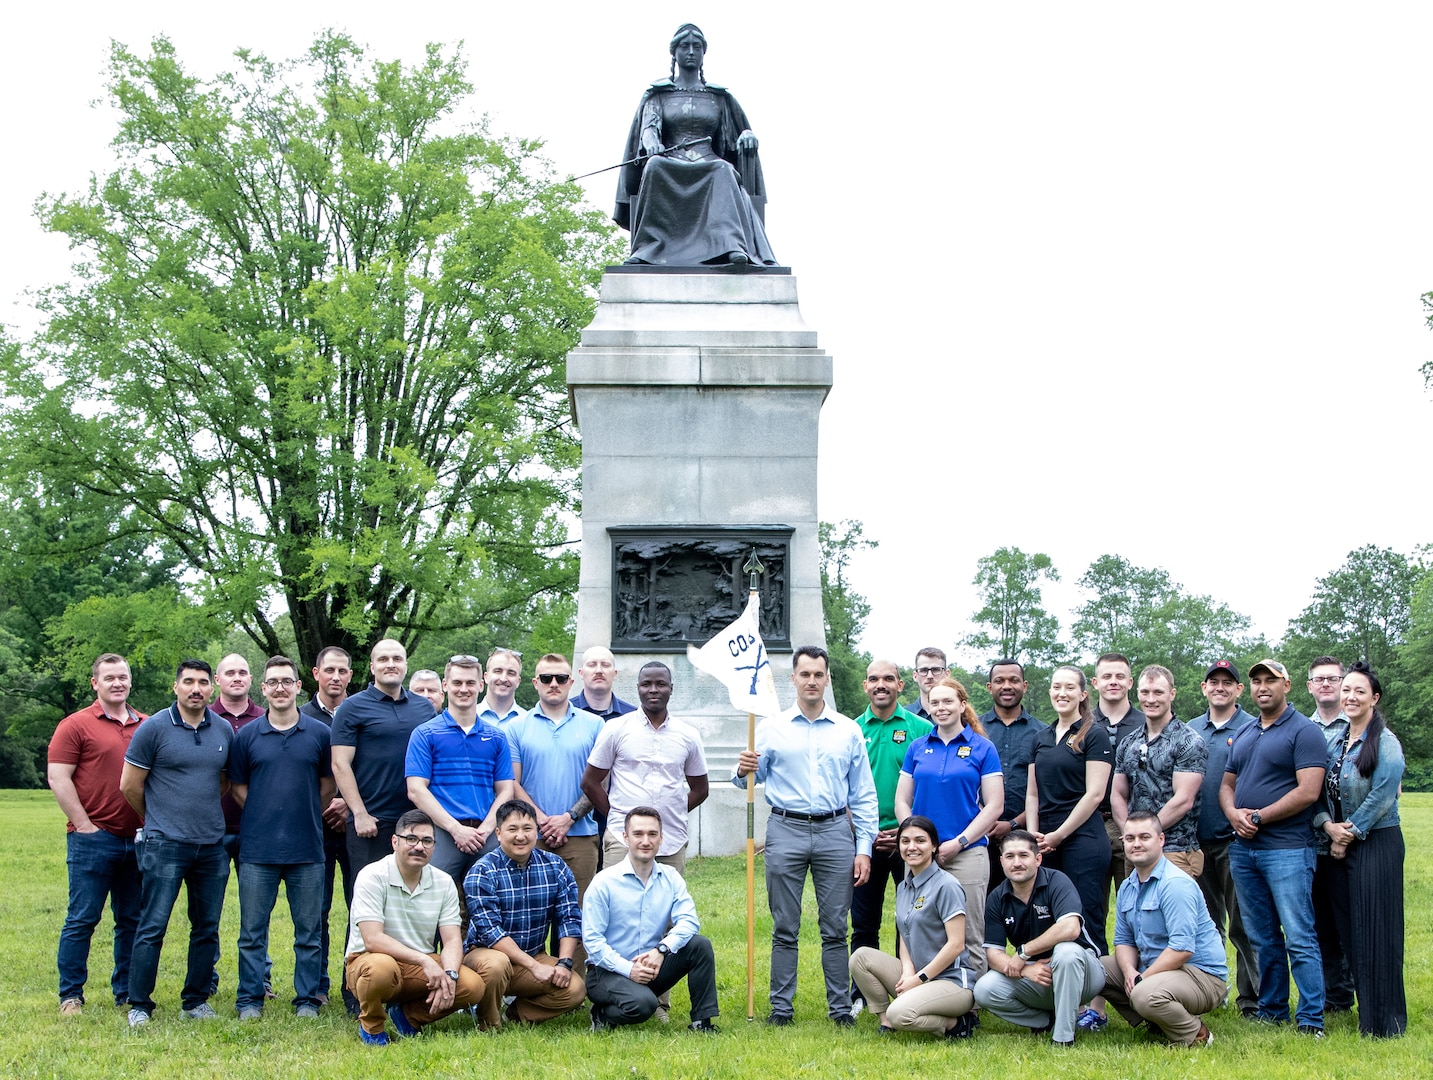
pixel 886 745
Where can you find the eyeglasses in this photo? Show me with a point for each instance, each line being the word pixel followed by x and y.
pixel 547 678
pixel 1327 679
pixel 929 670
pixel 274 684
pixel 413 840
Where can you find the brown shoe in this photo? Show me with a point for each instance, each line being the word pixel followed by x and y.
pixel 71 1007
pixel 1205 1037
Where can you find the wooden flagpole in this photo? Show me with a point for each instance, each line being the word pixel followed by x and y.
pixel 754 570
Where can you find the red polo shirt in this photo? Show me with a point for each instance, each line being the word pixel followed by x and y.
pixel 95 745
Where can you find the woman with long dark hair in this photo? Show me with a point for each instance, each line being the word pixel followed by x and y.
pixel 1068 779
pixel 930 986
pixel 1360 815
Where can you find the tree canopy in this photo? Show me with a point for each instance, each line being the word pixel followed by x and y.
pixel 314 344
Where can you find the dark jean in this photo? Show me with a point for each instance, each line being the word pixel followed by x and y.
pixel 1275 888
pixel 335 864
pixel 619 1001
pixel 258 892
pixel 100 865
pixel 203 870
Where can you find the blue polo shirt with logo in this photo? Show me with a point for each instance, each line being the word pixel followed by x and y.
pixel 947 779
pixel 460 767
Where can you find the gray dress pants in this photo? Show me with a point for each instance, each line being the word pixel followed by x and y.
pixel 827 849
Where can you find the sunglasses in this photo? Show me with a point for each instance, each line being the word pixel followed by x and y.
pixel 547 678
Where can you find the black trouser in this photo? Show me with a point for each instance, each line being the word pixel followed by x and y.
pixel 363 850
pixel 335 863
pixel 618 1001
pixel 1085 859
pixel 1366 889
pixel 868 901
pixel 1333 944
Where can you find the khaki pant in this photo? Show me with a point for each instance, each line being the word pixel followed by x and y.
pixel 375 978
pixel 972 869
pixel 536 1001
pixel 614 851
pixel 1171 1000
pixel 580 855
pixel 1191 862
pixel 928 1007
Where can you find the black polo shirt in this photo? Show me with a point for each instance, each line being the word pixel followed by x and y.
pixel 377 727
pixel 1008 920
pixel 1133 721
pixel 1060 775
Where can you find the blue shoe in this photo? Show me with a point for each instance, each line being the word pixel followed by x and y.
pixel 381 1039
pixel 400 1020
pixel 1089 1020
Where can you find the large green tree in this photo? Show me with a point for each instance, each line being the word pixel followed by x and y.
pixel 314 343
pixel 845 612
pixel 1012 621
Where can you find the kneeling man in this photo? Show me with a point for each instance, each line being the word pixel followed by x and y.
pixel 1055 966
pixel 515 896
pixel 400 904
pixel 1169 964
pixel 639 927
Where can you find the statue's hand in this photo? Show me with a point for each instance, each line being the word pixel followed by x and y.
pixel 746 140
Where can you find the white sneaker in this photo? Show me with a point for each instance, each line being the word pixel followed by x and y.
pixel 137 1018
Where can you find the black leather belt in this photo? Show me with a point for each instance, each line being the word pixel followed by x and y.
pixel 796 815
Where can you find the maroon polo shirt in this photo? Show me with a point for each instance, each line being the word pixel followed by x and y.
pixel 95 745
pixel 232 810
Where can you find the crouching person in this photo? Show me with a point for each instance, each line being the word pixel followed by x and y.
pixel 639 927
pixel 400 905
pixel 1169 965
pixel 1055 966
pixel 516 896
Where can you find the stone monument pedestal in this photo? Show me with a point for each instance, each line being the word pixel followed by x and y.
pixel 698 396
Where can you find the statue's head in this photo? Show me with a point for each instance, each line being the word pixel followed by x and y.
pixel 687 30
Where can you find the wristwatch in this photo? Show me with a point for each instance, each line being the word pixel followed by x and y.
pixel 565 962
pixel 922 976
pixel 1257 818
pixel 663 948
pixel 1020 952
pixel 451 974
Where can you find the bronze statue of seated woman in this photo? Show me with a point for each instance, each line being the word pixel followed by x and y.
pixel 691 193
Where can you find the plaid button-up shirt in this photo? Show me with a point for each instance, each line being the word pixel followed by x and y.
pixel 521 902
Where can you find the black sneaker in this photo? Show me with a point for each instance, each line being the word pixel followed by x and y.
pixel 1311 1031
pixel 961 1029
pixel 704 1026
pixel 843 1020
pixel 780 1020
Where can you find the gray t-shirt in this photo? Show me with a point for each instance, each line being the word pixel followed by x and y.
pixel 923 904
pixel 181 792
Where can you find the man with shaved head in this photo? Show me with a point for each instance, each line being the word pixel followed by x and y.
pixel 370 745
pixel 599 676
pixel 889 729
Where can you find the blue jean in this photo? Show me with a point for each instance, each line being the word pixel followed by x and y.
pixel 165 865
pixel 100 865
pixel 258 892
pixel 1275 887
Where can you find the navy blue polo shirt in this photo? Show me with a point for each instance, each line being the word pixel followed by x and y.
pixel 1265 763
pixel 282 821
pixel 186 766
pixel 1015 743
pixel 617 708
pixel 1213 825
pixel 378 727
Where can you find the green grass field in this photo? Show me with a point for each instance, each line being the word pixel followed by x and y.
pixel 36 1042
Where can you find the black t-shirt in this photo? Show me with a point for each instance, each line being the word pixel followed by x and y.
pixel 1008 920
pixel 1060 775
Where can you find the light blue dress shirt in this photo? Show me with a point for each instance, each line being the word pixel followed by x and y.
pixel 817 767
pixel 623 918
pixel 1167 911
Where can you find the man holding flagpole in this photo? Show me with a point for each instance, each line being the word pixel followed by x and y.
pixel 813 762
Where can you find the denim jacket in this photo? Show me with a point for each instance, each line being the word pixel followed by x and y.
pixel 1369 802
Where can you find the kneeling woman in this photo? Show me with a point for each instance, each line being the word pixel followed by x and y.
pixel 933 979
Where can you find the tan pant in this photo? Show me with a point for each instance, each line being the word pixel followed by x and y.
pixel 928 1007
pixel 1191 862
pixel 614 851
pixel 1171 1000
pixel 376 978
pixel 580 855
pixel 972 869
pixel 536 1001
pixel 1119 865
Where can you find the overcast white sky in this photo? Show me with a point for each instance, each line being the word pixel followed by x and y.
pixel 1132 278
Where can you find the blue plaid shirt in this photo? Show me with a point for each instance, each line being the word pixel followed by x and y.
pixel 521 902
